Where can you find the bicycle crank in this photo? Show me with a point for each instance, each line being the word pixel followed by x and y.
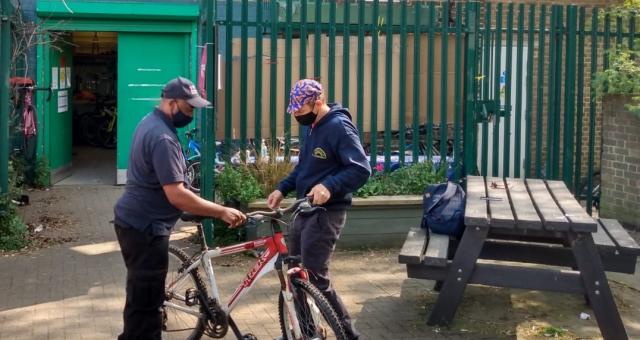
pixel 218 322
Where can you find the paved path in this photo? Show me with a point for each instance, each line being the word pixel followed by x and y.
pixel 76 290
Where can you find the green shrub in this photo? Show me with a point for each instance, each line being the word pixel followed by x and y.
pixel 236 186
pixel 623 75
pixel 13 232
pixel 41 173
pixel 408 180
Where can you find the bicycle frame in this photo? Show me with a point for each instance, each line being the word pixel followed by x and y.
pixel 274 255
pixel 274 247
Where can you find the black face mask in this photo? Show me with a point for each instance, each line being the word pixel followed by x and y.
pixel 180 119
pixel 307 118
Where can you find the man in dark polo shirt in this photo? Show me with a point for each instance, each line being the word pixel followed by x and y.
pixel 155 196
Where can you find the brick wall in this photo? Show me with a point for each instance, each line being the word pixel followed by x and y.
pixel 620 176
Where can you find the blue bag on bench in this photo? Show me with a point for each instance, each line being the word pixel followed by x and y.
pixel 443 209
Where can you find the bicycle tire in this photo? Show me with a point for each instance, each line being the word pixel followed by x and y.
pixel 325 313
pixel 582 193
pixel 193 176
pixel 174 321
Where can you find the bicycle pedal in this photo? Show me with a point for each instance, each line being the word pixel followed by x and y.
pixel 191 297
pixel 249 336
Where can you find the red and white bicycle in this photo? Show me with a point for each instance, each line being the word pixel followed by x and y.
pixel 192 308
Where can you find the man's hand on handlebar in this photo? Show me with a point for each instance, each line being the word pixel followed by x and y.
pixel 274 199
pixel 233 217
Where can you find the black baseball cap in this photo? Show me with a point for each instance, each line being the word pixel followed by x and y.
pixel 183 88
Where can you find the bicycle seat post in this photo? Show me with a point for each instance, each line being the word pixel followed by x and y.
pixel 203 240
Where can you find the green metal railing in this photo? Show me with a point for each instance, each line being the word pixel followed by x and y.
pixel 5 57
pixel 500 89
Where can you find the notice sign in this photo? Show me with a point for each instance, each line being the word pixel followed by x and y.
pixel 68 76
pixel 54 78
pixel 63 78
pixel 63 102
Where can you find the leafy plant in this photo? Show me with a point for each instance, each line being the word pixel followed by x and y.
pixel 623 75
pixel 41 173
pixel 13 232
pixel 408 180
pixel 236 186
pixel 551 331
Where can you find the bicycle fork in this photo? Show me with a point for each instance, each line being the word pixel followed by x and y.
pixel 289 295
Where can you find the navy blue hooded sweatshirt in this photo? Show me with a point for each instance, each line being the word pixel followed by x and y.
pixel 331 155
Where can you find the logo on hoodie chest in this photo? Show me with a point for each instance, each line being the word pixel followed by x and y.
pixel 319 153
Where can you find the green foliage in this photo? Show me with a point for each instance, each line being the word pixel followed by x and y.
pixel 13 232
pixel 409 180
pixel 236 186
pixel 223 235
pixel 41 173
pixel 551 331
pixel 623 75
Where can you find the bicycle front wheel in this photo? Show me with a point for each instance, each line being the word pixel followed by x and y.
pixel 184 316
pixel 314 314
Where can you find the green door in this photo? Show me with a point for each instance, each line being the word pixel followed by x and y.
pixel 58 119
pixel 146 61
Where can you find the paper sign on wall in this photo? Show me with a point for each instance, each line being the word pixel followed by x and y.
pixel 68 76
pixel 63 78
pixel 54 78
pixel 63 102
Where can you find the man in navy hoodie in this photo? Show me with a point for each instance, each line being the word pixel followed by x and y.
pixel 331 166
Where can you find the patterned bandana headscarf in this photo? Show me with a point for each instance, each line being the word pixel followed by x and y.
pixel 303 92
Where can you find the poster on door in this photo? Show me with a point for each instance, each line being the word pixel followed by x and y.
pixel 63 101
pixel 54 78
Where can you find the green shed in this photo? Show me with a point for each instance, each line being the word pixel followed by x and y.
pixel 115 58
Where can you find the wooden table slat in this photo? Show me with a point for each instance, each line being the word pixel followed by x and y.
pixel 526 215
pixel 499 205
pixel 413 248
pixel 476 207
pixel 620 236
pixel 573 211
pixel 437 250
pixel 602 239
pixel 551 215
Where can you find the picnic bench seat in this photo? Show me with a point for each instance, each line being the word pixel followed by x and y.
pixel 433 252
pixel 514 223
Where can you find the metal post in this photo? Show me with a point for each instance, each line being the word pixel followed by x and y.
pixel 471 48
pixel 5 59
pixel 207 123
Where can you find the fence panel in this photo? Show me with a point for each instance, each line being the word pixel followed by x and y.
pixel 496 89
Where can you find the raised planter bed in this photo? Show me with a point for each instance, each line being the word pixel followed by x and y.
pixel 372 222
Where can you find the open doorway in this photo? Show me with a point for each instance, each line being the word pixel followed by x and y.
pixel 94 103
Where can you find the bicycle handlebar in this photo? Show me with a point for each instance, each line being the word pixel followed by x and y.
pixel 304 204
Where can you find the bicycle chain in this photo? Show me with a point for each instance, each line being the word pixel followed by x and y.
pixel 218 322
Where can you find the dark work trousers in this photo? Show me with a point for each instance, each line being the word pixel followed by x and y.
pixel 314 238
pixel 147 259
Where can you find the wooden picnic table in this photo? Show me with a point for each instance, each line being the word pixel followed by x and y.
pixel 524 221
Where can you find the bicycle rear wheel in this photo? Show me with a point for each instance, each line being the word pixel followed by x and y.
pixel 178 324
pixel 316 317
pixel 193 175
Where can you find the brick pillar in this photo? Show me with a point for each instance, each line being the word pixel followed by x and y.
pixel 620 172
